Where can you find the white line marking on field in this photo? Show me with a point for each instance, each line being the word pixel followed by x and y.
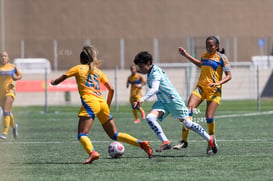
pixel 154 141
pixel 245 114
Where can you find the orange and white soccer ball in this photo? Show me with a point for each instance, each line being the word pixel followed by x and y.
pixel 116 149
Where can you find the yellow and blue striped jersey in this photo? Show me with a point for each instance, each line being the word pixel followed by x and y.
pixel 88 82
pixel 135 81
pixel 7 73
pixel 212 68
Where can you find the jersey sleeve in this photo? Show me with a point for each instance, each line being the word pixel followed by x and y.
pixel 225 63
pixel 72 72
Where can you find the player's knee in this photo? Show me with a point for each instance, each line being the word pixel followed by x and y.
pixel 187 123
pixel 150 118
pixel 81 134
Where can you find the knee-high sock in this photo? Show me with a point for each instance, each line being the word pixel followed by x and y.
pixel 211 126
pixel 12 122
pixel 152 121
pixel 141 110
pixel 6 122
pixel 196 128
pixel 185 131
pixel 86 143
pixel 126 138
pixel 135 113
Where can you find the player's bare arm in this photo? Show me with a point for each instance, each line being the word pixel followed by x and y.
pixel 58 80
pixel 110 92
pixel 184 53
pixel 227 78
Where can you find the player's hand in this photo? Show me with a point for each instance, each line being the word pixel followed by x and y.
pixel 182 51
pixel 137 104
pixel 52 82
pixel 11 86
pixel 213 84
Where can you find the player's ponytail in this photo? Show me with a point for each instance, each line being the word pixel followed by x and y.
pixel 217 43
pixel 89 57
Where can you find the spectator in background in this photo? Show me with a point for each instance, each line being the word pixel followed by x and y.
pixel 9 73
pixel 213 64
pixel 136 81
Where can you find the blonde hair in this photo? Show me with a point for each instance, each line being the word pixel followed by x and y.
pixel 92 53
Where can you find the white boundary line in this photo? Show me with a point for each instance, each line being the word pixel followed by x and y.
pixel 221 116
pixel 109 141
pixel 245 115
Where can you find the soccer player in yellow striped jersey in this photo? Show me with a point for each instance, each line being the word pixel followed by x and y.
pixel 136 81
pixel 9 73
pixel 213 64
pixel 89 78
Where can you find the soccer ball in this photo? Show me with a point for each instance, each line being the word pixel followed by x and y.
pixel 116 149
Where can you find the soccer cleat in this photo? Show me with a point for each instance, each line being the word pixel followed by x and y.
pixel 166 145
pixel 15 131
pixel 213 145
pixel 137 121
pixel 209 150
pixel 3 136
pixel 182 144
pixel 145 145
pixel 93 156
pixel 143 115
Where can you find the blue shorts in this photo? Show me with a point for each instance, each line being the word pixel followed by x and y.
pixel 177 109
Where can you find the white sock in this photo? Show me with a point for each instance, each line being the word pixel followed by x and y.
pixel 196 128
pixel 152 121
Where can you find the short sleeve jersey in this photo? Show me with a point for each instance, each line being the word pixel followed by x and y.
pixel 212 68
pixel 166 92
pixel 7 73
pixel 88 83
pixel 135 80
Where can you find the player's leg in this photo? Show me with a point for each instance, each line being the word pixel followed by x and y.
pixel 109 127
pixel 6 120
pixel 111 130
pixel 210 111
pixel 90 107
pixel 158 113
pixel 201 132
pixel 132 99
pixel 142 112
pixel 84 126
pixel 14 126
pixel 194 102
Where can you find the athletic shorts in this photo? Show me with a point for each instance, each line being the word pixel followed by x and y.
pixel 210 94
pixel 3 98
pixel 95 108
pixel 134 98
pixel 177 109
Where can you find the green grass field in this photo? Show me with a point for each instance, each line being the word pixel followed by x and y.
pixel 47 148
